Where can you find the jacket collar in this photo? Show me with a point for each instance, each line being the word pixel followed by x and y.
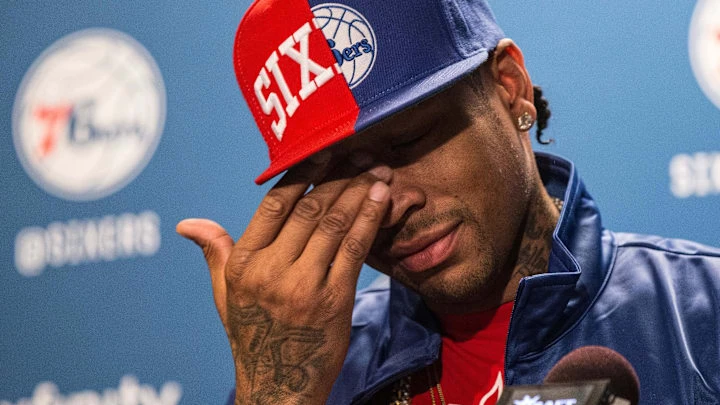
pixel 548 305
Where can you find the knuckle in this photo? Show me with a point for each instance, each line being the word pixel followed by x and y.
pixel 240 261
pixel 355 249
pixel 329 298
pixel 273 206
pixel 336 222
pixel 361 183
pixel 369 212
pixel 309 208
pixel 269 283
pixel 296 295
pixel 336 303
pixel 301 302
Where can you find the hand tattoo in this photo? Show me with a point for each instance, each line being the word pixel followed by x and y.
pixel 277 358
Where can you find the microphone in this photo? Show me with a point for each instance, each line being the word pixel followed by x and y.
pixel 590 375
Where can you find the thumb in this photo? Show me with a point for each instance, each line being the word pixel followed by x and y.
pixel 217 245
pixel 211 237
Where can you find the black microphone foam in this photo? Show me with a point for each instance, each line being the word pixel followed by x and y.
pixel 596 363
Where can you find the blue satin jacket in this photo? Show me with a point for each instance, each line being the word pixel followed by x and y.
pixel 655 301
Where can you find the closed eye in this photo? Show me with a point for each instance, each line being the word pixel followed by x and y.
pixel 405 143
pixel 410 138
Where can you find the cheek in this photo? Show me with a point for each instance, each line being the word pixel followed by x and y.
pixel 477 170
pixel 488 176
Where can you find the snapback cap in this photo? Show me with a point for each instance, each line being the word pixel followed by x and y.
pixel 316 72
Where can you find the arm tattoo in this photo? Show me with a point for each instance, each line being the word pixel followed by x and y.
pixel 277 359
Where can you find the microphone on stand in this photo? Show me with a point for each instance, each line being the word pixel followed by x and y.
pixel 590 375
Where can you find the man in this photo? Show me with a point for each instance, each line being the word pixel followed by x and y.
pixel 411 134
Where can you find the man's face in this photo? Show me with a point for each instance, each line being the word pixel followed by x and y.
pixel 459 195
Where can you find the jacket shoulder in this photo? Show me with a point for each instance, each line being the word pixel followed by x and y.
pixel 680 247
pixel 647 263
pixel 668 290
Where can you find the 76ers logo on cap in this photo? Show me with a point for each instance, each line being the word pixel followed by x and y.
pixel 351 39
pixel 705 47
pixel 89 114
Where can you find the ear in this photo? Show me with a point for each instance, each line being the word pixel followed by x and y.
pixel 512 80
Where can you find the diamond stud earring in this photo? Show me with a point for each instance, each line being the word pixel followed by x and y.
pixel 525 121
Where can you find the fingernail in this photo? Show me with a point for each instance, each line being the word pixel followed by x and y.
pixel 379 192
pixel 361 160
pixel 382 172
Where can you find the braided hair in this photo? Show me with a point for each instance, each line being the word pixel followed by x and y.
pixel 543 115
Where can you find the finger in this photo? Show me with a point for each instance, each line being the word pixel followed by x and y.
pixel 217 245
pixel 356 244
pixel 279 203
pixel 322 248
pixel 311 208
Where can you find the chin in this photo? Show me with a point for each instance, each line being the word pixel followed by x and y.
pixel 457 286
pixel 472 277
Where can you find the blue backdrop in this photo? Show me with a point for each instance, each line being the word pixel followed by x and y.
pixel 121 118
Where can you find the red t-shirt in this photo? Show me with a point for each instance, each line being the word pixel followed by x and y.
pixel 472 359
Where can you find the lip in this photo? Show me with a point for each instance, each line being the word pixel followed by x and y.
pixel 427 250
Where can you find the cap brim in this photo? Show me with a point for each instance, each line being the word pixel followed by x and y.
pixel 377 110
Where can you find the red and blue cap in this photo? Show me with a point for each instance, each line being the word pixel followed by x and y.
pixel 314 72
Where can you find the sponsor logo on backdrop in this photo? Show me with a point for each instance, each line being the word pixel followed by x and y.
pixel 704 43
pixel 696 175
pixel 351 39
pixel 129 392
pixel 86 241
pixel 89 114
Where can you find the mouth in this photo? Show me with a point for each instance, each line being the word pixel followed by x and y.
pixel 427 251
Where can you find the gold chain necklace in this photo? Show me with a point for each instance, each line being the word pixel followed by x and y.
pixel 401 392
pixel 438 385
pixel 401 389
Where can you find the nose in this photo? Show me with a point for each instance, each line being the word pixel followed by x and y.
pixel 404 200
pixel 405 196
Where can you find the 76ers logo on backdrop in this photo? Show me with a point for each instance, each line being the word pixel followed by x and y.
pixel 89 114
pixel 351 39
pixel 705 47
